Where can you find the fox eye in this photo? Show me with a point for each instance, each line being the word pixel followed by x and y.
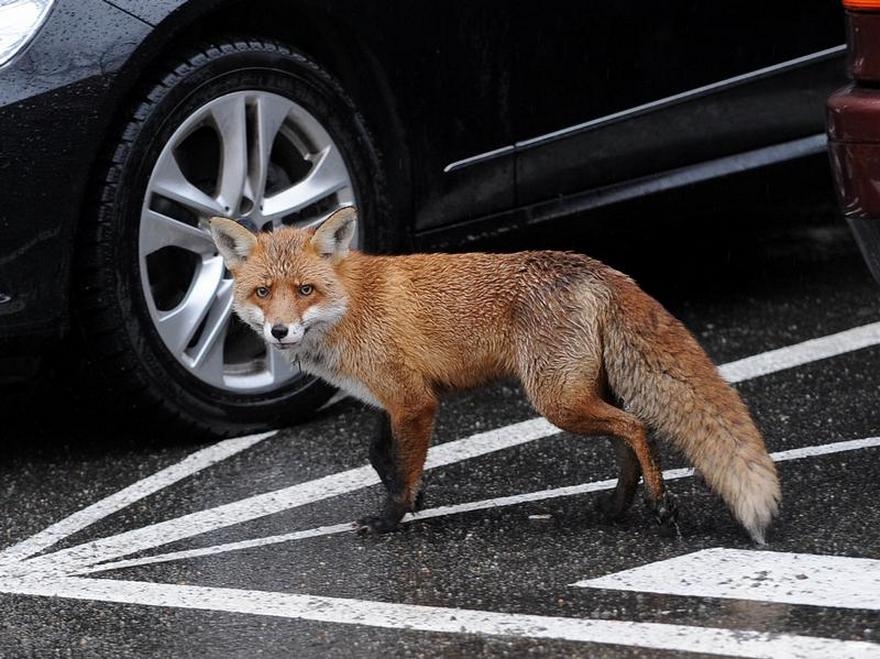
pixel 306 289
pixel 261 291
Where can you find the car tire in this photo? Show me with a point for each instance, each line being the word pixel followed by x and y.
pixel 126 293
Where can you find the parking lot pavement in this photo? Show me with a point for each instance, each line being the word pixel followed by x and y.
pixel 245 547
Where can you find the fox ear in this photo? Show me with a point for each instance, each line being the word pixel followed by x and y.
pixel 333 237
pixel 233 241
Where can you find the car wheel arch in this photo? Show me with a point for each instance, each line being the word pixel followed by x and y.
pixel 310 31
pixel 195 21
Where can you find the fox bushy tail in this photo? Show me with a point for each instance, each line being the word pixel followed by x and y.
pixel 662 375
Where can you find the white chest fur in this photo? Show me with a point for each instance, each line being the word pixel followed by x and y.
pixel 323 363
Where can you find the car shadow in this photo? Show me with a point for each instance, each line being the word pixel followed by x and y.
pixel 63 408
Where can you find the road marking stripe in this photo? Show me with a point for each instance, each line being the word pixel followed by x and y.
pixel 761 576
pixel 268 503
pixel 220 549
pixel 385 615
pixel 190 465
pixel 155 535
pixel 471 506
pixel 802 353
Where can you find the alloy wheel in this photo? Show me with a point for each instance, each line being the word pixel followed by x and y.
pixel 257 157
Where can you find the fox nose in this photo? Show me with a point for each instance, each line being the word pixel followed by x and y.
pixel 279 331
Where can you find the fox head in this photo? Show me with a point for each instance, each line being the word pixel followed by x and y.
pixel 286 282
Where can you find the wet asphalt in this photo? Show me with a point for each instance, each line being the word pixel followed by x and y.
pixel 775 268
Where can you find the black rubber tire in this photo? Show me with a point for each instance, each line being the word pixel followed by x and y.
pixel 109 304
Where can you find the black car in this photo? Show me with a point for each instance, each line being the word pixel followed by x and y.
pixel 125 125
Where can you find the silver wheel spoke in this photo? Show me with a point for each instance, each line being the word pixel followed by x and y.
pixel 327 176
pixel 230 116
pixel 168 181
pixel 207 354
pixel 158 231
pixel 280 366
pixel 271 111
pixel 178 326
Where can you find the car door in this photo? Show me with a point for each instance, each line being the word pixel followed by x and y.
pixel 450 66
pixel 609 92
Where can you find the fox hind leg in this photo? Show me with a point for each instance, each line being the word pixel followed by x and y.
pixel 590 415
pixel 614 504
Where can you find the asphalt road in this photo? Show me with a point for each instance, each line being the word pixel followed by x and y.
pixel 245 548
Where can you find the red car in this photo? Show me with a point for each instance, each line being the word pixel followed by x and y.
pixel 854 130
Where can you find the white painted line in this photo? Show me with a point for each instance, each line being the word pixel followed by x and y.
pixel 825 449
pixel 472 506
pixel 799 354
pixel 215 549
pixel 676 638
pixel 161 533
pixel 115 502
pixel 760 576
pixel 489 442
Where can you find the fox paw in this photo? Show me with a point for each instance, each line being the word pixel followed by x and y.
pixel 419 503
pixel 376 524
pixel 666 513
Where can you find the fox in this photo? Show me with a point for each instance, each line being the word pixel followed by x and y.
pixel 594 353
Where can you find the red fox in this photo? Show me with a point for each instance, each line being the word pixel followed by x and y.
pixel 595 355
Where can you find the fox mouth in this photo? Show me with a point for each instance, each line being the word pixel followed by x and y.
pixel 288 345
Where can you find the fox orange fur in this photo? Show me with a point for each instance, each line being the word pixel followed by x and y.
pixel 595 355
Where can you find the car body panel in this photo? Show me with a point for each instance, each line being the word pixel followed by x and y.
pixel 454 98
pixel 616 55
pixel 55 98
pixel 639 55
pixel 447 70
pixel 863 37
pixel 854 135
pixel 436 82
pixel 156 11
pixel 733 119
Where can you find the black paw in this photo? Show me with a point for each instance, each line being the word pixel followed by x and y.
pixel 376 524
pixel 665 513
pixel 419 503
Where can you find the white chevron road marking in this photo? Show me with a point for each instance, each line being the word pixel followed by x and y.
pixel 761 576
pixel 84 518
pixel 456 509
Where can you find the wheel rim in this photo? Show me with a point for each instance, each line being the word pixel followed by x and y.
pixel 249 155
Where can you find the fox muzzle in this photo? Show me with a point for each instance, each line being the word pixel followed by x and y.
pixel 283 335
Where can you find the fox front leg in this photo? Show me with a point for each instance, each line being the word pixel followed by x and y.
pixel 381 450
pixel 398 455
pixel 382 457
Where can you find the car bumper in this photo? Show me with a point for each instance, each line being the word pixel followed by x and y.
pixel 853 122
pixel 56 102
pixel 854 146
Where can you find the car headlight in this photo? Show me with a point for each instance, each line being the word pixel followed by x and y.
pixel 19 21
